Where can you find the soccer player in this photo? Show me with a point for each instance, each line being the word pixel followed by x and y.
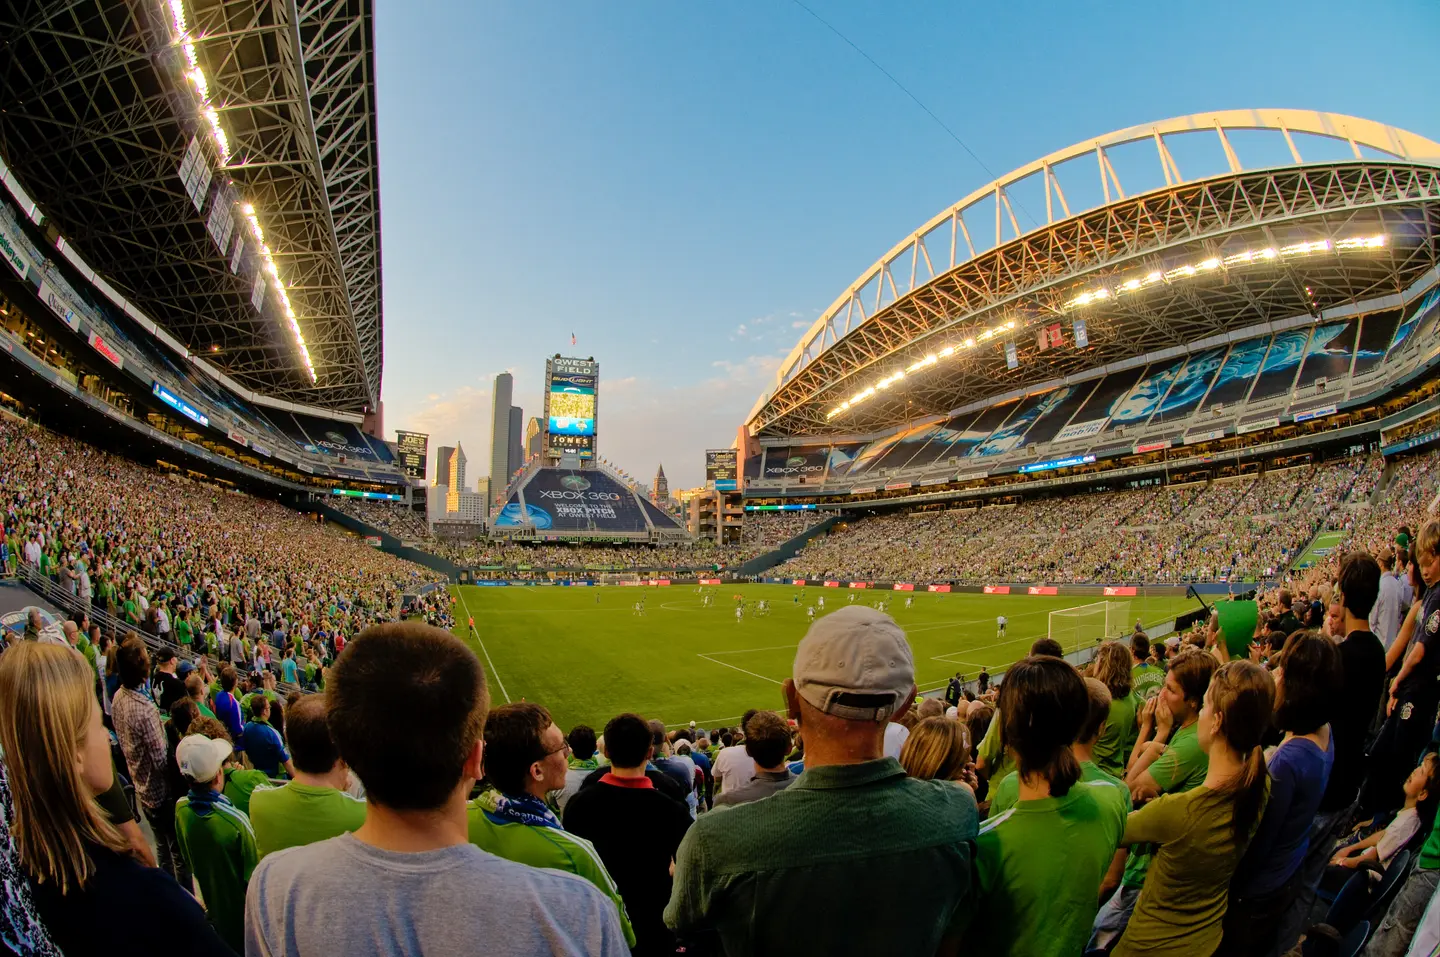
pixel 1000 622
pixel 909 600
pixel 852 598
pixel 810 610
pixel 739 614
pixel 821 602
pixel 472 625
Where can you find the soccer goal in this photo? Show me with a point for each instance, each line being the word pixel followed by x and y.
pixel 1084 625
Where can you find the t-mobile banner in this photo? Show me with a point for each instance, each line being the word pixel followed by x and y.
pixel 1043 590
pixel 832 584
pixel 799 581
pixel 1119 590
pixel 859 585
pixel 902 586
pixel 937 587
pixel 997 589
pixel 709 581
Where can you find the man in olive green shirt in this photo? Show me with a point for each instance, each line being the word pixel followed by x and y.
pixel 314 806
pixel 852 832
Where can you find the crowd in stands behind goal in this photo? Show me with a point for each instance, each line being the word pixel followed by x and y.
pixel 1204 793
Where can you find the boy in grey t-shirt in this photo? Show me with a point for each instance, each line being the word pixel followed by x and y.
pixel 406 706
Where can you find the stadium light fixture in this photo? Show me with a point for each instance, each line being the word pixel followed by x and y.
pixel 1213 263
pixel 196 75
pixel 920 365
pixel 258 232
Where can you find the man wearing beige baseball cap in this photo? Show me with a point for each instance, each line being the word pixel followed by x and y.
pixel 849 836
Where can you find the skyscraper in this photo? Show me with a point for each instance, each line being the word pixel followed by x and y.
pixel 534 436
pixel 500 432
pixel 517 440
pixel 443 455
pixel 457 479
pixel 660 491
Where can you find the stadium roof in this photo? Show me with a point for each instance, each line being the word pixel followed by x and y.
pixel 926 328
pixel 149 132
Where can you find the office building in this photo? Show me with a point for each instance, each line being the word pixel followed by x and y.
pixel 443 455
pixel 517 441
pixel 500 431
pixel 534 437
pixel 457 479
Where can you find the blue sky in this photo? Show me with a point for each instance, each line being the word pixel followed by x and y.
pixel 686 186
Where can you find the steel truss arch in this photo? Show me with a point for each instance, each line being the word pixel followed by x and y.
pixel 1031 278
pixel 912 264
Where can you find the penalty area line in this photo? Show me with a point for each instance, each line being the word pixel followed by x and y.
pixel 486 651
pixel 737 668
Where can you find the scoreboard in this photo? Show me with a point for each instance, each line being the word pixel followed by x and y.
pixel 571 405
pixel 721 468
pixel 412 449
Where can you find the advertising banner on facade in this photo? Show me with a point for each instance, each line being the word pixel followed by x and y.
pixel 939 588
pixel 997 589
pixel 1043 590
pixel 722 469
pixel 1119 590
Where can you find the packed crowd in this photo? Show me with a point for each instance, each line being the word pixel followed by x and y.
pixel 761 532
pixel 1216 793
pixel 182 561
pixel 1231 529
pixel 402 521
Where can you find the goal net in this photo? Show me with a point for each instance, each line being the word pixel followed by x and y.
pixel 1084 625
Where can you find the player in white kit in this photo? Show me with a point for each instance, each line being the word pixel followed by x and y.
pixel 1000 623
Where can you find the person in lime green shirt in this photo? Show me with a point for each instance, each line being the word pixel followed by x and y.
pixel 240 782
pixel 184 633
pixel 1202 833
pixel 1039 864
pixel 1167 759
pixel 1115 792
pixel 315 805
pixel 1112 666
pixel 525 758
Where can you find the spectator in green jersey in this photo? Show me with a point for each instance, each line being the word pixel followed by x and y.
pixel 1202 833
pixel 215 836
pixel 1039 864
pixel 240 781
pixel 315 805
pixel 1112 666
pixel 525 759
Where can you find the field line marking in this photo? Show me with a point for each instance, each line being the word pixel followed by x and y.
pixel 741 670
pixel 503 693
pixel 742 651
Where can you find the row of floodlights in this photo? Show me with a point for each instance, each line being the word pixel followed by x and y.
pixel 1134 284
pixel 1248 257
pixel 196 76
pixel 920 364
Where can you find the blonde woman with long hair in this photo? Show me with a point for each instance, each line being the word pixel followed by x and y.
pixel 91 893
pixel 938 750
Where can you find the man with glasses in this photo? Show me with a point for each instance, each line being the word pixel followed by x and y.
pixel 526 757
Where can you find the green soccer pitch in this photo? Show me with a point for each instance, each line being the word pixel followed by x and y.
pixel 587 656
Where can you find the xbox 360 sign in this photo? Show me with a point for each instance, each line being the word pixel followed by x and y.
pixel 338 443
pixel 797 462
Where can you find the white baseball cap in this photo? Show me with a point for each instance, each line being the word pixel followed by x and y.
pixel 201 758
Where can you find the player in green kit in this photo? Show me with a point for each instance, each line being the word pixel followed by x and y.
pixel 1039 863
